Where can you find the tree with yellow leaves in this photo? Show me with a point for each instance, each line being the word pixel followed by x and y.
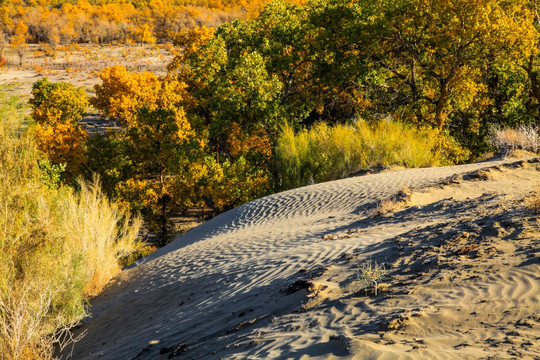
pixel 122 93
pixel 156 141
pixel 18 39
pixel 57 109
pixel 190 41
pixel 145 34
pixel 63 143
pixel 3 43
pixel 59 102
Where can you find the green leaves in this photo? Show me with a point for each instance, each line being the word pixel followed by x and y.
pixel 57 102
pixel 433 53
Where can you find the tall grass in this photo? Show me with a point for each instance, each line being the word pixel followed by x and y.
pixel 326 152
pixel 506 140
pixel 57 246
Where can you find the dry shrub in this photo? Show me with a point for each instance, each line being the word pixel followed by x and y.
pixel 396 203
pixel 385 207
pixel 523 137
pixel 533 203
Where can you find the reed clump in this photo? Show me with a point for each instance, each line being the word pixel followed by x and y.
pixel 523 137
pixel 326 152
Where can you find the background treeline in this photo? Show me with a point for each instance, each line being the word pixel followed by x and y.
pixel 273 102
pixel 102 22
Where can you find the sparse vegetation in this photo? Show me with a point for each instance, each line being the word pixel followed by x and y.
pixel 386 207
pixel 533 203
pixel 523 137
pixel 389 206
pixel 58 246
pixel 370 275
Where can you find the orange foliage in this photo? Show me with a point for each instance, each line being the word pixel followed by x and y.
pixel 142 192
pixel 59 22
pixel 63 144
pixel 123 94
pixel 190 42
pixel 241 143
pixel 57 109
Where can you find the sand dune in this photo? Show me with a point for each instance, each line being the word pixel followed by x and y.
pixel 275 278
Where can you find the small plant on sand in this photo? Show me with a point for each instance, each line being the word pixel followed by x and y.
pixel 533 203
pixel 371 274
pixel 396 203
pixel 385 207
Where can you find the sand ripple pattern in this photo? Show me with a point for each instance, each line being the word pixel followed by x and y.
pixel 229 269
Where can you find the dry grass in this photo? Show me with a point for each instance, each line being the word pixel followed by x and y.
pixel 100 230
pixel 533 203
pixel 507 140
pixel 57 246
pixel 386 207
pixel 392 205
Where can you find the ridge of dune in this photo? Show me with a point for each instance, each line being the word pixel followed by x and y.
pixel 274 278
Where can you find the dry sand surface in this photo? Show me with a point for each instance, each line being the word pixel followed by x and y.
pixel 277 278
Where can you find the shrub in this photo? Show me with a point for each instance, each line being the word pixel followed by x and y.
pixel 533 203
pixel 325 152
pixel 57 246
pixel 507 139
pixel 371 274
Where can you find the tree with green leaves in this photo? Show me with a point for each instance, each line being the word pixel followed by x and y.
pixel 430 55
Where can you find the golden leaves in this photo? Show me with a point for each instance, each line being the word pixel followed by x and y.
pixel 123 94
pixel 63 144
pixel 241 143
pixel 57 109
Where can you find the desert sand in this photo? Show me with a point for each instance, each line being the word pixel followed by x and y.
pixel 277 278
pixel 78 64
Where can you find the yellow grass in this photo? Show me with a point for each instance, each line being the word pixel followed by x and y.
pixel 326 152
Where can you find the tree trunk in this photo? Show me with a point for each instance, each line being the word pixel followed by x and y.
pixel 415 93
pixel 535 86
pixel 440 116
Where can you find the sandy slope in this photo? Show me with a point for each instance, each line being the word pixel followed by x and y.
pixel 275 278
